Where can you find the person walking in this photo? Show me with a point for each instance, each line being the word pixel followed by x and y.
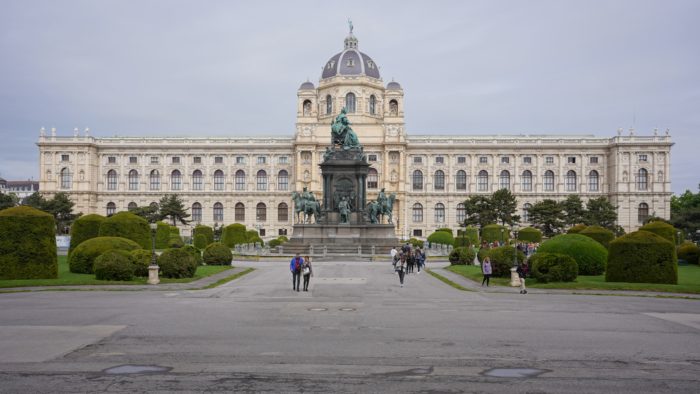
pixel 394 257
pixel 295 268
pixel 401 268
pixel 307 271
pixel 420 257
pixel 522 271
pixel 486 270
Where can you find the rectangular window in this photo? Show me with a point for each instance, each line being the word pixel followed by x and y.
pixel 176 159
pixel 417 233
pixel 261 159
pixel 262 232
pixel 154 159
pixel 439 160
pixel 111 160
pixel 417 160
pixel 240 160
pixel 133 160
pixel 283 160
pixel 197 160
pixel 505 160
pixel 461 160
pixel 483 159
pixel 594 159
pixel 641 158
pixel 372 158
pixel 65 157
pixel 549 160
pixel 282 231
pixel 218 160
pixel 527 160
pixel 571 160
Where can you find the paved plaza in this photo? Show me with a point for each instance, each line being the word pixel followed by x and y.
pixel 356 330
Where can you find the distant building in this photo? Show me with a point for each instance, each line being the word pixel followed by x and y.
pixel 21 189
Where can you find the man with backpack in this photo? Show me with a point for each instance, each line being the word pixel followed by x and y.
pixel 295 267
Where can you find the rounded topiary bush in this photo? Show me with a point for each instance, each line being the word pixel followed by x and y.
pixel 162 235
pixel 283 238
pixel 576 229
pixel 689 252
pixel 417 243
pixel 275 243
pixel 84 228
pixel 663 229
pixel 530 234
pixel 194 252
pixel 27 244
pixel 492 232
pixel 175 241
pixel 205 231
pixel 177 263
pixel 82 259
pixel 233 234
pixel 446 229
pixel 142 260
pixel 600 234
pixel 462 256
pixel 441 237
pixel 200 241
pixel 589 254
pixel 252 237
pixel 467 236
pixel 114 265
pixel 217 254
pixel 553 267
pixel 129 226
pixel 502 259
pixel 642 257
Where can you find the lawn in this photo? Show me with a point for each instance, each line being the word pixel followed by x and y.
pixel 688 281
pixel 67 278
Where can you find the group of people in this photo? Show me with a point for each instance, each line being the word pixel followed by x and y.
pixel 301 266
pixel 407 260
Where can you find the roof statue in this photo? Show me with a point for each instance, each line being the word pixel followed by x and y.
pixel 350 25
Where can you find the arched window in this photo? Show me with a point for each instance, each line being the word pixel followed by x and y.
pixel 197 180
pixel 526 212
pixel 417 213
pixel 175 180
pixel 643 212
pixel 218 180
pixel 282 212
pixel 526 181
pixel 133 180
pixel 283 180
pixel 372 105
pixel 372 179
pixel 482 181
pixel 197 212
pixel 393 107
pixel 439 213
pixel 571 181
pixel 111 180
pixel 461 180
pixel 111 208
pixel 504 180
pixel 240 212
pixel 132 205
pixel 218 212
pixel 261 212
pixel 549 181
pixel 439 180
pixel 329 105
pixel 593 181
pixel 66 179
pixel 262 180
pixel 154 180
pixel 642 179
pixel 240 180
pixel 461 213
pixel 350 102
pixel 417 180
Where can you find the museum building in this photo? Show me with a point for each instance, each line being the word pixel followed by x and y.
pixel 249 180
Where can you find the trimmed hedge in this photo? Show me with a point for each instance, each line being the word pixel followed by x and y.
pixel 27 244
pixel 417 243
pixel 275 243
pixel 142 260
pixel 175 241
pixel 114 265
pixel 84 228
pixel 663 229
pixel 206 232
pixel 462 256
pixel 492 232
pixel 553 267
pixel 194 252
pixel 642 257
pixel 530 234
pixel 82 259
pixel 589 254
pixel 502 259
pixel 441 237
pixel 689 252
pixel 217 254
pixel 576 229
pixel 233 234
pixel 252 237
pixel 467 236
pixel 177 263
pixel 446 229
pixel 600 234
pixel 162 235
pixel 129 226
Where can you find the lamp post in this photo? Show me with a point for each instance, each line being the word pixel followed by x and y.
pixel 153 268
pixel 514 277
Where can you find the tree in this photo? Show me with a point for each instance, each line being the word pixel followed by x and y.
pixel 8 200
pixel 574 213
pixel 149 212
pixel 504 205
pixel 479 210
pixel 685 212
pixel 60 206
pixel 600 212
pixel 547 216
pixel 35 200
pixel 171 206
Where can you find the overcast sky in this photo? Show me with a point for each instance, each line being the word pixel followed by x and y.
pixel 232 68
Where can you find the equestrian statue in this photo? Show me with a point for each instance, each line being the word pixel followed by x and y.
pixel 306 204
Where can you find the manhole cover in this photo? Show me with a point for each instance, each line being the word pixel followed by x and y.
pixel 132 369
pixel 513 372
pixel 347 309
pixel 318 309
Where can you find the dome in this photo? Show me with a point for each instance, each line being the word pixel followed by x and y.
pixel 393 86
pixel 350 62
pixel 307 86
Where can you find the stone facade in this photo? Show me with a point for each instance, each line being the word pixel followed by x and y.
pixel 250 179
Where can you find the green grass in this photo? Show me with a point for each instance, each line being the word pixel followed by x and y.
pixel 688 281
pixel 228 279
pixel 67 278
pixel 447 281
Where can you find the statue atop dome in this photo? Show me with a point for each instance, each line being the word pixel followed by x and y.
pixel 350 25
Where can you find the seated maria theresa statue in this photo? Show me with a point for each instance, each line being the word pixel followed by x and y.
pixel 342 134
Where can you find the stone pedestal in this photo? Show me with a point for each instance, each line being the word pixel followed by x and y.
pixel 344 175
pixel 153 275
pixel 514 278
pixel 342 238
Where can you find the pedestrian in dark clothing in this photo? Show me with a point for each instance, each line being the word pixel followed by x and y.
pixel 401 268
pixel 295 268
pixel 420 257
pixel 522 271
pixel 486 270
pixel 411 262
pixel 307 271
